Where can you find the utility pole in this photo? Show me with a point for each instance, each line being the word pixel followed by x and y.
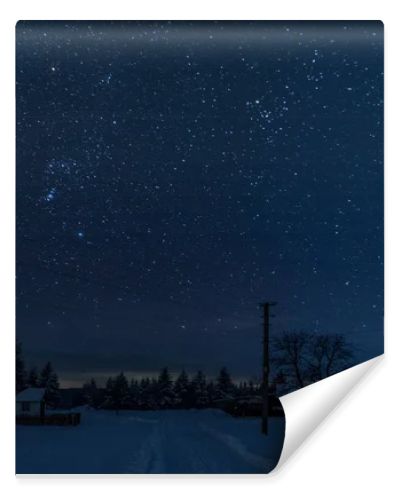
pixel 265 378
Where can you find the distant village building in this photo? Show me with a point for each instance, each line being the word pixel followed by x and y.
pixel 30 403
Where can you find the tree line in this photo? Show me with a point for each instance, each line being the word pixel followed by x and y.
pixel 46 378
pixel 164 391
pixel 298 358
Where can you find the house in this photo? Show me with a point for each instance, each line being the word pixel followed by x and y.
pixel 30 403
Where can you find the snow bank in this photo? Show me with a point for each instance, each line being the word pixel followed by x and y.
pixel 169 441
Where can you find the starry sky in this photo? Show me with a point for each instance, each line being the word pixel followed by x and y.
pixel 172 175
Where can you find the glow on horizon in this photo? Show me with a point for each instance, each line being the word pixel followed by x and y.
pixel 76 380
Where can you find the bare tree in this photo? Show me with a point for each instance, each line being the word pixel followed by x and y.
pixel 289 355
pixel 304 358
pixel 329 354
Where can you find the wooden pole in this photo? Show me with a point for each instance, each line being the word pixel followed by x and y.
pixel 265 378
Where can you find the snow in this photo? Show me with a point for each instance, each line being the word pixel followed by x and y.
pixel 30 395
pixel 168 441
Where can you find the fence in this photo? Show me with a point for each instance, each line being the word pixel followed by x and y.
pixel 53 419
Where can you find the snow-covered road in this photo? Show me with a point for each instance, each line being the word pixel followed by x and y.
pixel 171 441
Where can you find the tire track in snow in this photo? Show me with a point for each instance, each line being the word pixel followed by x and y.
pixel 149 459
pixel 235 445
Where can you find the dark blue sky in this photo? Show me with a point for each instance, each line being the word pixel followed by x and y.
pixel 171 176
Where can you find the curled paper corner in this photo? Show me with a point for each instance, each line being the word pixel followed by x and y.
pixel 307 408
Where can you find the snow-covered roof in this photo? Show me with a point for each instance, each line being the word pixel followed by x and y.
pixel 31 394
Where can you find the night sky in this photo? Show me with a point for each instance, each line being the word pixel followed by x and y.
pixel 173 175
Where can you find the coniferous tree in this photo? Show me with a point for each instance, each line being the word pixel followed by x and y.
pixel 153 394
pixel 52 394
pixel 212 393
pixel 48 380
pixel 164 389
pixel 108 400
pixel 33 377
pixel 20 372
pixel 120 392
pixel 182 390
pixel 148 393
pixel 225 386
pixel 45 374
pixel 242 389
pixel 251 389
pixel 134 394
pixel 143 393
pixel 199 390
pixel 91 393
